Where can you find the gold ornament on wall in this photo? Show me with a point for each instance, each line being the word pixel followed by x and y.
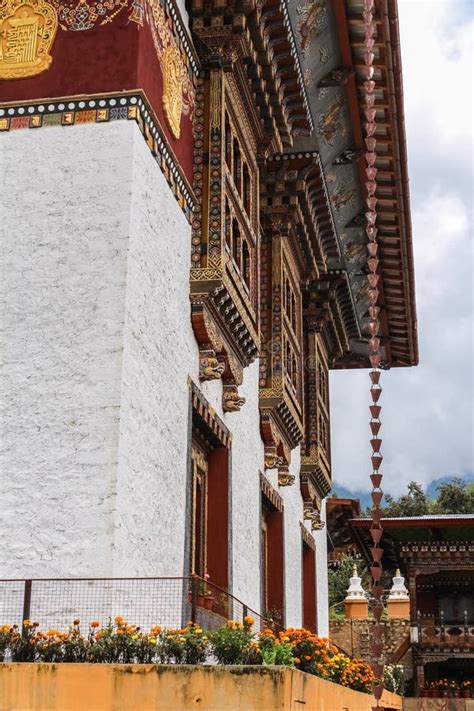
pixel 27 31
pixel 173 88
pixel 178 90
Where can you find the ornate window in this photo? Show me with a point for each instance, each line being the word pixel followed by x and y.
pixel 199 506
pixel 239 115
pixel 272 551
pixel 208 506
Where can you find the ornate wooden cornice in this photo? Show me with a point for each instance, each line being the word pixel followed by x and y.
pixel 257 33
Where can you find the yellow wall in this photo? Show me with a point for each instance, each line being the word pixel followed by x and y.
pixel 145 687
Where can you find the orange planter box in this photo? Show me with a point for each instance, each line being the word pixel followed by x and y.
pixel 148 687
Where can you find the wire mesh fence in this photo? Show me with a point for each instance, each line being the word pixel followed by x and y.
pixel 145 602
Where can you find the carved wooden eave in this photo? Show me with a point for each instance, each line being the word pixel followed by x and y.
pixel 297 179
pixel 260 35
pixel 396 286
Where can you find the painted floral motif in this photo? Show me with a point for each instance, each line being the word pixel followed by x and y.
pixel 308 78
pixel 84 15
pixel 176 76
pixel 353 250
pixel 312 15
pixel 323 54
pixel 330 122
pixel 343 196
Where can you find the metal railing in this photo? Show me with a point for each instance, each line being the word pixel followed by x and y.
pixel 169 602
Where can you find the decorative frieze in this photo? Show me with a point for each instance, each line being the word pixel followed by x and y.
pixel 102 109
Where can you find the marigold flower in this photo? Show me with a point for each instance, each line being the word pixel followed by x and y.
pixel 77 621
pixel 120 631
pixel 249 620
pixel 95 623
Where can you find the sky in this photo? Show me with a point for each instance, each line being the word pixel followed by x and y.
pixel 427 411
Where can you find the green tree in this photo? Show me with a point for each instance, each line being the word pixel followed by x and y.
pixel 414 503
pixel 454 497
pixel 338 578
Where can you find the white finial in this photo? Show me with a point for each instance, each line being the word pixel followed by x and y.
pixel 355 591
pixel 398 590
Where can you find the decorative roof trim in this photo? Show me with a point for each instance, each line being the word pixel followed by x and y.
pixel 270 493
pixel 207 413
pixel 294 52
pixel 307 537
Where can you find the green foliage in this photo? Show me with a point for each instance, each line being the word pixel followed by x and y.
pixel 338 578
pixel 414 503
pixel 230 644
pixel 394 678
pixel 454 497
pixel 279 654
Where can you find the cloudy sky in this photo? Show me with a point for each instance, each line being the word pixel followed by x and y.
pixel 427 415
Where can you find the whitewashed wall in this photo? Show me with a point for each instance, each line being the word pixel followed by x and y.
pixel 64 230
pixel 322 576
pixel 159 353
pixel 98 349
pixel 293 545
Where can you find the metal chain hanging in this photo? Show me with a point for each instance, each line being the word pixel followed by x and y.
pixel 374 345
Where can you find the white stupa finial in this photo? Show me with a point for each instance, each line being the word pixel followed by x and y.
pixel 398 590
pixel 355 591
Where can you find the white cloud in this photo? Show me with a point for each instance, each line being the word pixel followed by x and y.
pixel 427 411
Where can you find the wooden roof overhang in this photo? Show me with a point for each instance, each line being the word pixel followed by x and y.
pixel 259 34
pixel 339 513
pixel 296 182
pixel 407 539
pixel 397 285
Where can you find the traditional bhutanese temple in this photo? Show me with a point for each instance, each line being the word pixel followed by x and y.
pixel 435 554
pixel 183 234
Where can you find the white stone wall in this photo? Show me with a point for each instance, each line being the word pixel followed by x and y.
pixel 247 462
pixel 64 230
pixel 159 354
pixel 322 576
pixel 98 348
pixel 293 545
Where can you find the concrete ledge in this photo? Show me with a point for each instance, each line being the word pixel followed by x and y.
pixel 148 687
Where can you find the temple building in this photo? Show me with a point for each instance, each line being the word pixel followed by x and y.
pixel 184 261
pixel 430 625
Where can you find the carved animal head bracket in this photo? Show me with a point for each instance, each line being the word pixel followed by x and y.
pixel 284 476
pixel 231 400
pixel 210 368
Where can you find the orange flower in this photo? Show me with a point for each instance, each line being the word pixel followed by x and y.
pixel 94 623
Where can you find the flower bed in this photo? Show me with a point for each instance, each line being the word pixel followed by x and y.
pixel 447 689
pixel 233 643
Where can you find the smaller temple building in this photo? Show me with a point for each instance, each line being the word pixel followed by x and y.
pixel 436 557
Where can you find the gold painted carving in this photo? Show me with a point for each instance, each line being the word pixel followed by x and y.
pixel 231 400
pixel 209 367
pixel 27 31
pixel 173 71
pixel 284 477
pixel 178 90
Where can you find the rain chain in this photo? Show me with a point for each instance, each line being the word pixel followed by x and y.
pixel 374 345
